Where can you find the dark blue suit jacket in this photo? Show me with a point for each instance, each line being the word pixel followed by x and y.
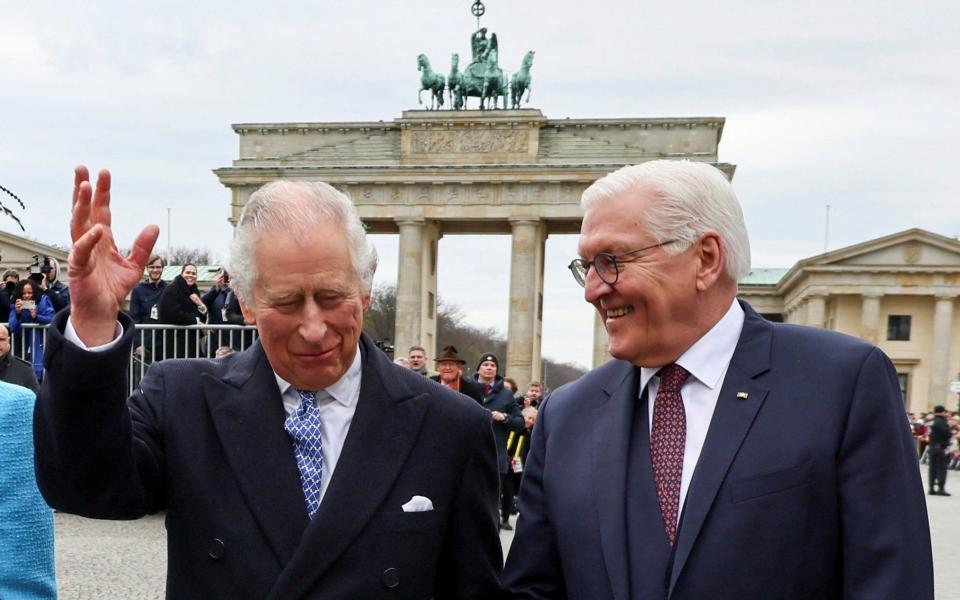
pixel 807 487
pixel 204 440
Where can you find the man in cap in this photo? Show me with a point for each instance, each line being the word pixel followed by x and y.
pixel 506 417
pixel 450 374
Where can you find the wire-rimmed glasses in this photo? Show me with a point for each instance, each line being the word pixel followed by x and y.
pixel 606 265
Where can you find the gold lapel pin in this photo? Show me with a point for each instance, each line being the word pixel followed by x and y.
pixel 742 395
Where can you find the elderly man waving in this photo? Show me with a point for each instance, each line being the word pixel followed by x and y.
pixel 308 466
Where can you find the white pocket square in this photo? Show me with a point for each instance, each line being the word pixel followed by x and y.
pixel 418 504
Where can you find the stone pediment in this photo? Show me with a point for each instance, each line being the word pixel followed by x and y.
pixel 910 248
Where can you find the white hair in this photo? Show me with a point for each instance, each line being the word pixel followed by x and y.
pixel 691 199
pixel 292 208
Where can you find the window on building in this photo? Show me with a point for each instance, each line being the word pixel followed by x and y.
pixel 898 328
pixel 904 379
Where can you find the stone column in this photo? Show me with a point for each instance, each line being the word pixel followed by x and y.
pixel 939 360
pixel 429 244
pixel 870 318
pixel 816 311
pixel 601 341
pixel 409 285
pixel 526 287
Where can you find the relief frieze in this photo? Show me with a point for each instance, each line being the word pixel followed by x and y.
pixel 490 141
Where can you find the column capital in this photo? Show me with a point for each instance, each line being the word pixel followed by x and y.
pixel 946 297
pixel 872 295
pixel 420 221
pixel 521 220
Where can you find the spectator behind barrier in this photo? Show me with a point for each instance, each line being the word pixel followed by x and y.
pixel 28 309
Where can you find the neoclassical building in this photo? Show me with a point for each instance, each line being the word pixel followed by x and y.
pixel 899 292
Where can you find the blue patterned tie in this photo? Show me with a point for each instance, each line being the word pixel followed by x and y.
pixel 303 427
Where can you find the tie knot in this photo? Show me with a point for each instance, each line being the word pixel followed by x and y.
pixel 672 377
pixel 307 395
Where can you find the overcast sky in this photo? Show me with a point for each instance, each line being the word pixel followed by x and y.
pixel 851 104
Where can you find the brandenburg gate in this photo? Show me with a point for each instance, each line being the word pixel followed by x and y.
pixel 435 172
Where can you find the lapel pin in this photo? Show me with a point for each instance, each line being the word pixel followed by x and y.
pixel 742 395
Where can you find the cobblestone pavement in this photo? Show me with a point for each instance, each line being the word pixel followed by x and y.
pixel 121 560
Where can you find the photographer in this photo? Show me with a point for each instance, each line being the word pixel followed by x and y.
pixel 50 284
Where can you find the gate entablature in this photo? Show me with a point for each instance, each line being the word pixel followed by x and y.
pixel 429 173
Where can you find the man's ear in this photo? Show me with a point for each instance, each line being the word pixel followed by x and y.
pixel 365 298
pixel 249 316
pixel 710 258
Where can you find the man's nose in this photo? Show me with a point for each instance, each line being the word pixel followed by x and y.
pixel 594 288
pixel 313 325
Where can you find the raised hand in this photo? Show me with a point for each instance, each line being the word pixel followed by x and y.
pixel 100 278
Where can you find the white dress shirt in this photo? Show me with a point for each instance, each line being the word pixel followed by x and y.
pixel 707 361
pixel 337 403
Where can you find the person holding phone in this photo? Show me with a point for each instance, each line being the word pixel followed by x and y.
pixel 28 309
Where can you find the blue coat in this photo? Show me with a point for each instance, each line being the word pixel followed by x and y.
pixel 32 338
pixel 26 522
pixel 807 485
pixel 204 440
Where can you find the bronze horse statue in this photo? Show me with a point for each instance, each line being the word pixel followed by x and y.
pixel 520 82
pixel 455 83
pixel 431 81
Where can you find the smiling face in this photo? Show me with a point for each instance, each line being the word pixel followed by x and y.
pixel 449 371
pixel 650 313
pixel 27 292
pixel 308 305
pixel 155 271
pixel 189 273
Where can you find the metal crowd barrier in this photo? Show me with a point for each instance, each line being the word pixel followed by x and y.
pixel 152 343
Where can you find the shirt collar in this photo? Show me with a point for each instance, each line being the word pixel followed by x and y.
pixel 707 359
pixel 344 390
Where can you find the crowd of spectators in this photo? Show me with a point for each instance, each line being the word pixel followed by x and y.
pixel 512 416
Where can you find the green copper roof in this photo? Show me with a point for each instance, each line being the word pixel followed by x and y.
pixel 764 277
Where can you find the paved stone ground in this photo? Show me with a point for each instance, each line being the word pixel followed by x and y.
pixel 127 559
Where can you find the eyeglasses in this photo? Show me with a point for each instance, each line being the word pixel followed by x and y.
pixel 155 267
pixel 606 265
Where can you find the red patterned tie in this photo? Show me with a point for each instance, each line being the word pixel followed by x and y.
pixel 667 440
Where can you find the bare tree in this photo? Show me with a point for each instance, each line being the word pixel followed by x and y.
pixel 380 322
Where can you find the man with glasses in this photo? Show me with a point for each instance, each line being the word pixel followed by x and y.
pixel 145 301
pixel 719 455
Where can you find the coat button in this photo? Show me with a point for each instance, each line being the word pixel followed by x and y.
pixel 390 578
pixel 216 549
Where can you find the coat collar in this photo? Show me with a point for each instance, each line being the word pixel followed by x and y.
pixel 741 396
pixel 248 416
pixel 610 447
pixel 383 432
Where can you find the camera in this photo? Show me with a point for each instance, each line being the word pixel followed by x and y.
pixel 41 266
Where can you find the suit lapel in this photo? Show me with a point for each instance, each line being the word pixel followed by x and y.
pixel 383 431
pixel 610 448
pixel 732 419
pixel 248 416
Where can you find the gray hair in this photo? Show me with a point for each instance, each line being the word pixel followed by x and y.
pixel 293 207
pixel 692 198
pixel 529 411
